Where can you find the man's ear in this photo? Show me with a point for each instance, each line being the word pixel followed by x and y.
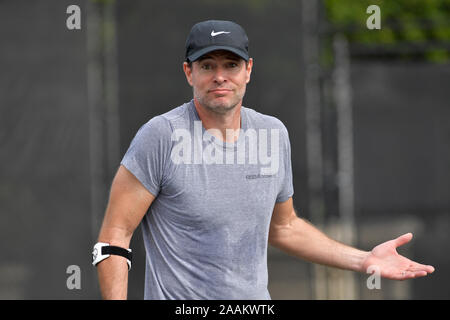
pixel 187 72
pixel 249 68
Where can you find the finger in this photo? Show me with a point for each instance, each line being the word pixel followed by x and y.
pixel 429 269
pixel 405 275
pixel 416 274
pixel 421 267
pixel 403 239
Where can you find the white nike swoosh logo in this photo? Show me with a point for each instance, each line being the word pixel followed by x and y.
pixel 213 34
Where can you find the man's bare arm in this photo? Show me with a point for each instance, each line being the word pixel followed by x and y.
pixel 301 239
pixel 128 202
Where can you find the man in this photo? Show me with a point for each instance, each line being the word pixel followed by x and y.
pixel 209 196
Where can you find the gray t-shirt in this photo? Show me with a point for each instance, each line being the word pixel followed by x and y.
pixel 206 232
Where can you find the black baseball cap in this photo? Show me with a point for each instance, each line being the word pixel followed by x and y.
pixel 207 36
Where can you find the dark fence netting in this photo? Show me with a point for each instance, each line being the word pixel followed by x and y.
pixel 44 177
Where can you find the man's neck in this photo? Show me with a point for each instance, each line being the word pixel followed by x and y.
pixel 213 120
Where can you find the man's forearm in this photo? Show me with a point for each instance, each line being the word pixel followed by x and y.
pixel 113 271
pixel 301 239
pixel 113 278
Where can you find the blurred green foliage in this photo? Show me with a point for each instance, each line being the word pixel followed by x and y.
pixel 410 22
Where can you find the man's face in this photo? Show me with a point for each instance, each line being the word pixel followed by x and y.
pixel 219 79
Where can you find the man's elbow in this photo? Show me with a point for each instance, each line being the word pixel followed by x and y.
pixel 282 235
pixel 279 234
pixel 274 241
pixel 116 235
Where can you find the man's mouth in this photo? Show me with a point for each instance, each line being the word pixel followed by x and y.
pixel 220 91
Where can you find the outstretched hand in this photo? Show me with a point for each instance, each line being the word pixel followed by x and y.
pixel 392 265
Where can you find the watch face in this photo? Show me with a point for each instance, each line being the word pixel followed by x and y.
pixel 94 254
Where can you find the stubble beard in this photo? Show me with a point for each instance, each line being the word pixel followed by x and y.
pixel 218 107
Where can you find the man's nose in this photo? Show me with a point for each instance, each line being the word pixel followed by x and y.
pixel 220 75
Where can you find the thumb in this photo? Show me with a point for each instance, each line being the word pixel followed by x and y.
pixel 403 239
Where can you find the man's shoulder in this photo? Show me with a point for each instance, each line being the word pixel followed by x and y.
pixel 177 113
pixel 165 122
pixel 260 120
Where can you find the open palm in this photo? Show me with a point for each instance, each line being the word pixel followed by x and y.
pixel 392 265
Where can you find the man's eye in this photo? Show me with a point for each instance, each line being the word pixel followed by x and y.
pixel 206 67
pixel 233 65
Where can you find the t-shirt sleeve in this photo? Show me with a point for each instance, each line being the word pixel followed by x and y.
pixel 286 188
pixel 149 151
